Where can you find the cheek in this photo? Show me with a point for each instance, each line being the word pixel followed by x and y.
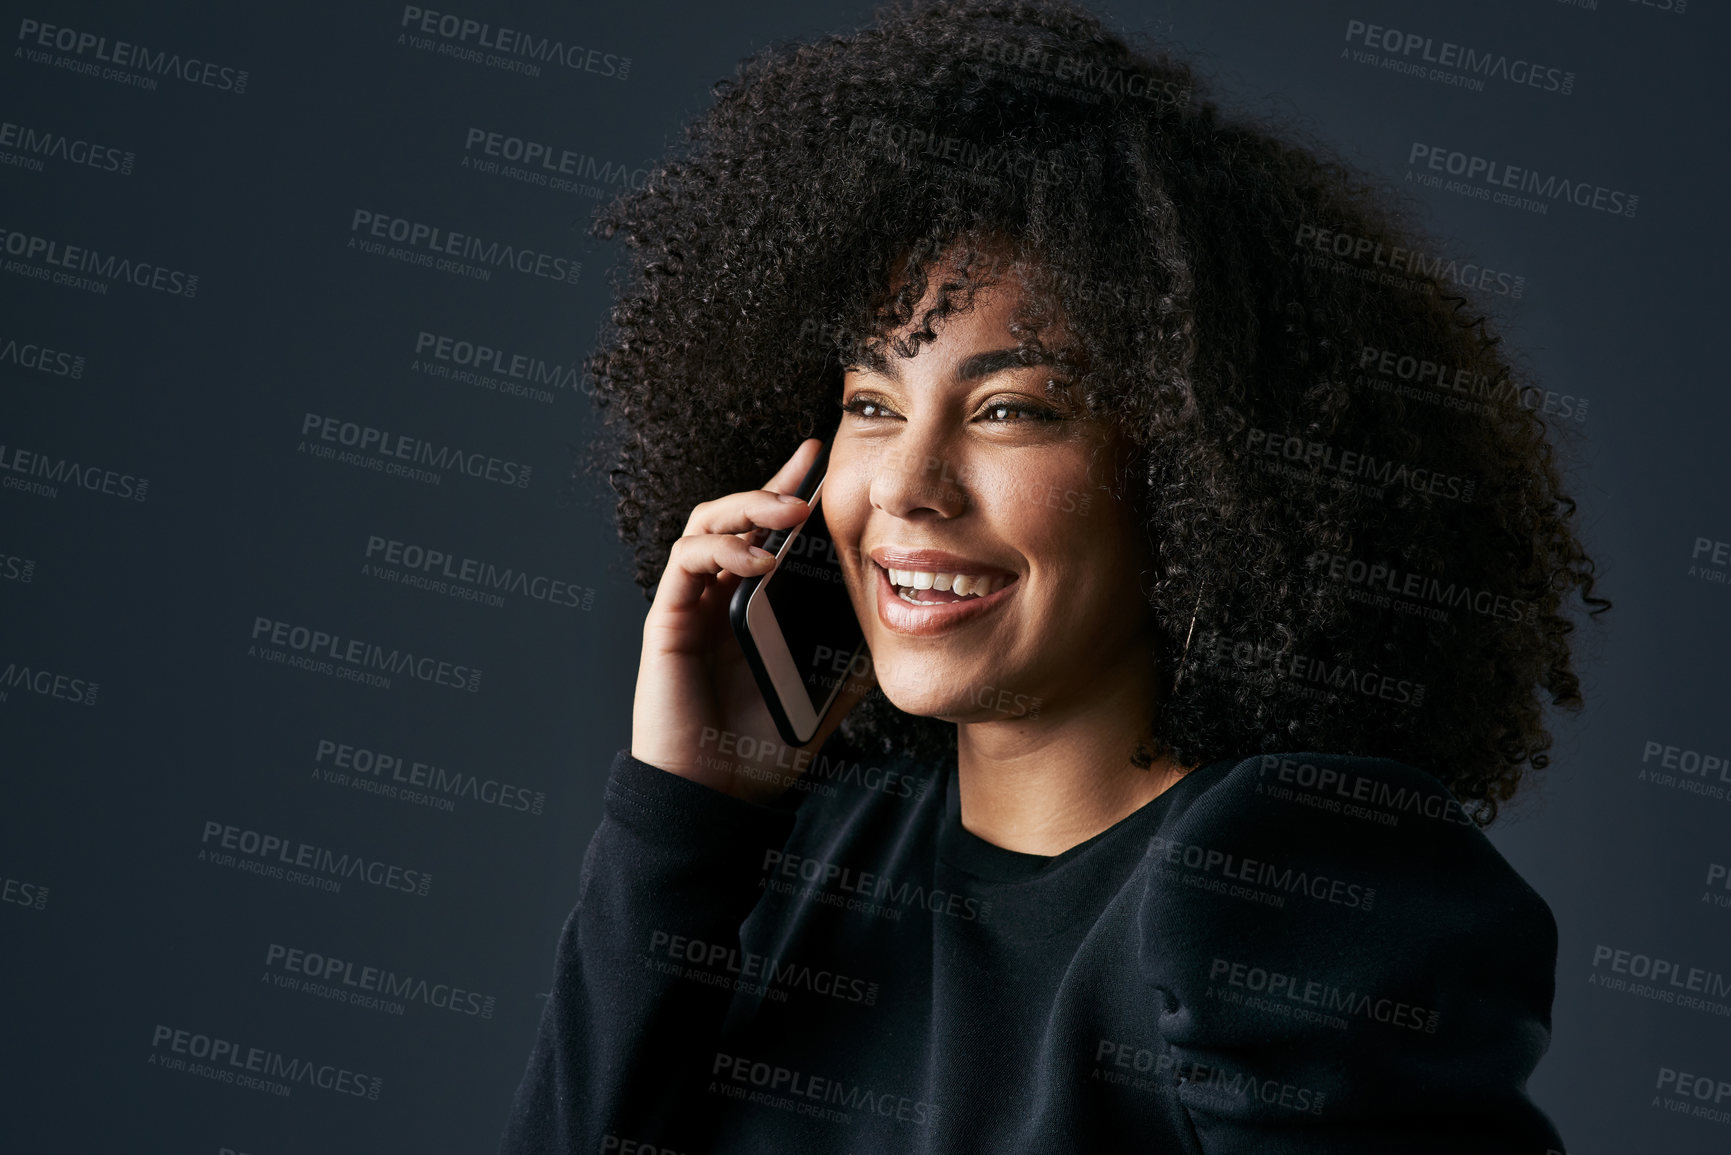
pixel 1053 509
pixel 1075 533
pixel 846 503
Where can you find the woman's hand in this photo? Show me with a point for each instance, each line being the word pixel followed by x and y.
pixel 698 711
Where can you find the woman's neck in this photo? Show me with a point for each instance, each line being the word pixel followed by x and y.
pixel 1042 785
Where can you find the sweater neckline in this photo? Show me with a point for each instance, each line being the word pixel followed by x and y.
pixel 966 851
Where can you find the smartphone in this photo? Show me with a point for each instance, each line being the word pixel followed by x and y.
pixel 796 623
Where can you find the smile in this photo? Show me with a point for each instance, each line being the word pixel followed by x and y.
pixel 909 582
pixel 926 602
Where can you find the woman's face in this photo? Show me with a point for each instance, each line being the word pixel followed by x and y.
pixel 958 462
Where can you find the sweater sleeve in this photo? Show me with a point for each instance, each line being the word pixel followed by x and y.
pixel 626 1038
pixel 1343 963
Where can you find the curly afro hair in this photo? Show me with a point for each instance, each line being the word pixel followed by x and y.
pixel 1362 542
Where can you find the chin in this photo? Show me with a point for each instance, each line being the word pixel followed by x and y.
pixel 924 700
pixel 937 697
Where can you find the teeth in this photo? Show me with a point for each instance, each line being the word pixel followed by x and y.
pixel 962 585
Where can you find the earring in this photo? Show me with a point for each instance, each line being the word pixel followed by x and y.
pixel 1190 633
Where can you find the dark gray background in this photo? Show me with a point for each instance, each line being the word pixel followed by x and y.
pixel 105 804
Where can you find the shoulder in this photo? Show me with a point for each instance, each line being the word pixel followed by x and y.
pixel 1346 873
pixel 1339 923
pixel 1309 835
pixel 1377 791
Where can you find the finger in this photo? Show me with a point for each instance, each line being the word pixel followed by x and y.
pixel 788 477
pixel 697 558
pixel 741 513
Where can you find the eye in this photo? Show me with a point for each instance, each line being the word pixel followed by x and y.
pixel 996 412
pixel 866 407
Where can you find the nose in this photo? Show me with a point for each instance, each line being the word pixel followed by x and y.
pixel 917 479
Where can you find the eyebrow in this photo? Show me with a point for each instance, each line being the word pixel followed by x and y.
pixel 975 367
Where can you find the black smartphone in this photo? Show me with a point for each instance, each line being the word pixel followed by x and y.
pixel 796 624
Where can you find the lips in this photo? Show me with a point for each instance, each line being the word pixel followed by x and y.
pixel 934 561
pixel 935 611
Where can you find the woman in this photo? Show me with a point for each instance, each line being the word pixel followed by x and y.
pixel 1205 634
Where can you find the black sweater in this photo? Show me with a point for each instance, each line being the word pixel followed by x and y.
pixel 1286 954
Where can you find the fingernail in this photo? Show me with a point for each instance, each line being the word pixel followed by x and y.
pixel 755 552
pixel 790 498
